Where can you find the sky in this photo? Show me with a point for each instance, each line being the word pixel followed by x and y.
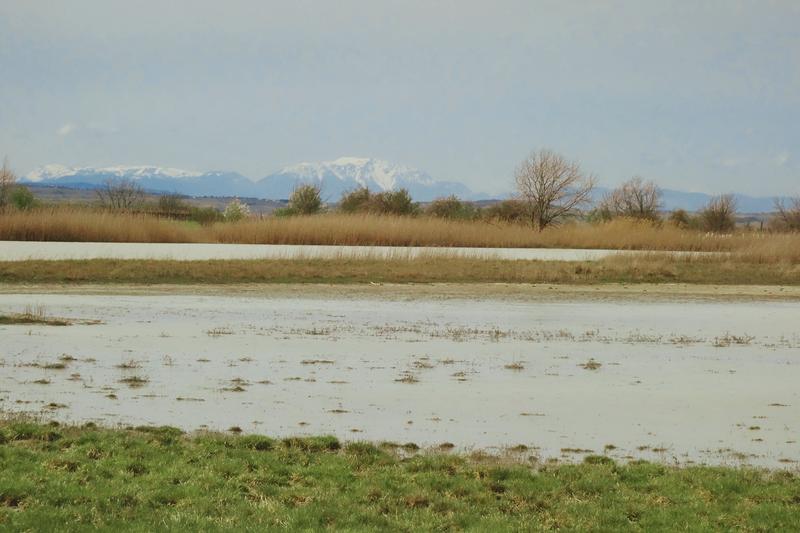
pixel 695 95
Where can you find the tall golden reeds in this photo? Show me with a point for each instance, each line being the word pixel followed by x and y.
pixel 76 224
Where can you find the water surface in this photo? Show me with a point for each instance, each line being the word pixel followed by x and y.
pixel 701 381
pixel 26 250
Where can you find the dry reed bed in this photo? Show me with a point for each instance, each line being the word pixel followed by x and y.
pixel 338 229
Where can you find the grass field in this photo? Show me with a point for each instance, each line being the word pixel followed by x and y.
pixel 62 224
pixel 69 478
pixel 644 269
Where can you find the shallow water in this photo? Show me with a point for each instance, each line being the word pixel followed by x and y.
pixel 704 381
pixel 25 250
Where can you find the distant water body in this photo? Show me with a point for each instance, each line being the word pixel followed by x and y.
pixel 34 250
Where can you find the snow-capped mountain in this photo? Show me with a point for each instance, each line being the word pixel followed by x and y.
pixel 91 174
pixel 334 178
pixel 151 178
pixel 347 173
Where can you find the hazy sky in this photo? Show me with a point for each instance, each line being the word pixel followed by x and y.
pixel 697 95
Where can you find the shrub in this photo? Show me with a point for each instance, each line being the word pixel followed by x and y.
pixel 236 210
pixel 787 214
pixel 205 215
pixel 451 208
pixel 355 201
pixel 22 198
pixel 7 182
pixel 284 212
pixel 719 214
pixel 507 211
pixel 305 200
pixel 120 194
pixel 680 218
pixel 393 203
pixel 170 204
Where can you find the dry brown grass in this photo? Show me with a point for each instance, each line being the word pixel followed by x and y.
pixel 73 224
pixel 643 269
pixel 85 225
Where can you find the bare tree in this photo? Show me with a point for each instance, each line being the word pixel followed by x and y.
pixel 719 214
pixel 7 182
pixel 787 213
pixel 120 193
pixel 551 187
pixel 635 198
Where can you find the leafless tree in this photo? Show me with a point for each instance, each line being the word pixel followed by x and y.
pixel 787 213
pixel 719 214
pixel 120 193
pixel 551 187
pixel 635 198
pixel 7 182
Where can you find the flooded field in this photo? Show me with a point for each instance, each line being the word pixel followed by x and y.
pixel 708 381
pixel 25 250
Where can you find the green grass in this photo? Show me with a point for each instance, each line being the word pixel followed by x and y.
pixel 68 478
pixel 645 269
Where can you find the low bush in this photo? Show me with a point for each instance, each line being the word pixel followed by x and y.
pixel 452 208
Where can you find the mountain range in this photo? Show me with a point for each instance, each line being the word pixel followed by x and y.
pixel 333 177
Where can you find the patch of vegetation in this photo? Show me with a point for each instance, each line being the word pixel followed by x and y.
pixel 135 381
pixel 591 364
pixel 129 365
pixel 145 479
pixel 722 270
pixel 32 315
pixel 407 377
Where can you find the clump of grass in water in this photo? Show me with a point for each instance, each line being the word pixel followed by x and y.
pixel 407 377
pixel 218 332
pixel 591 364
pixel 134 381
pixel 33 315
pixel 516 366
pixel 129 365
pixel 728 339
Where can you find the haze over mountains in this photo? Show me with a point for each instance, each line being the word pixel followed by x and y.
pixel 334 178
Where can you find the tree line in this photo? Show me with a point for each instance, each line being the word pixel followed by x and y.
pixel 549 190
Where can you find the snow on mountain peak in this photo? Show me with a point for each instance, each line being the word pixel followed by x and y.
pixel 334 178
pixel 54 171
pixel 366 172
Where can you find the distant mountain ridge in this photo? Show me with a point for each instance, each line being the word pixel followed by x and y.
pixel 333 177
pixel 694 201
